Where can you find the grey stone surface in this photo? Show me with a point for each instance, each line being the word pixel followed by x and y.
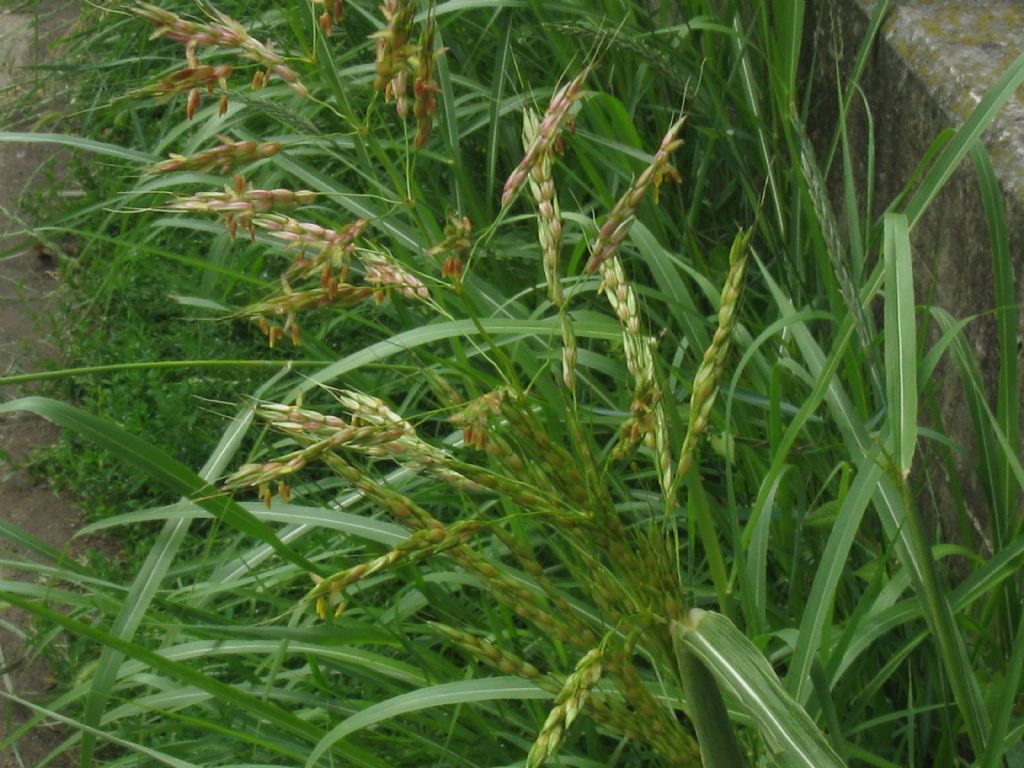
pixel 933 63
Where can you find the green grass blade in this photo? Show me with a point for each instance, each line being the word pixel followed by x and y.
pixel 715 734
pixel 1007 320
pixel 77 142
pixel 1009 699
pixel 360 526
pixel 445 694
pixel 902 523
pixel 737 664
pixel 970 132
pixel 900 342
pixel 821 599
pixel 158 466
pixel 161 758
pixel 269 713
pixel 499 76
pixel 588 326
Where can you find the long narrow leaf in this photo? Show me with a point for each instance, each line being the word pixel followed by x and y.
pixel 900 341
pixel 446 694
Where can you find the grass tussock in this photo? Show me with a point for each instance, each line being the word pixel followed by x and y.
pixel 552 424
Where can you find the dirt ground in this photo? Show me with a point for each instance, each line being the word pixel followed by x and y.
pixel 28 284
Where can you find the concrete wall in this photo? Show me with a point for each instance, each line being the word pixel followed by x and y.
pixel 931 65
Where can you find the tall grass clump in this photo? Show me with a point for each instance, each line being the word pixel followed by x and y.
pixel 581 445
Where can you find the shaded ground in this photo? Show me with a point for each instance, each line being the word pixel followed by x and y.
pixel 27 297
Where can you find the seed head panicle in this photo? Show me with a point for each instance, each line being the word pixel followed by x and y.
pixel 454 246
pixel 549 216
pixel 384 274
pixel 224 32
pixel 373 429
pixel 239 204
pixel 489 653
pixel 709 373
pixel 224 157
pixel 474 418
pixel 321 251
pixel 568 705
pixel 619 221
pixel 419 546
pixel 194 80
pixel 424 88
pixel 290 303
pixel 647 421
pixel 393 52
pixel 331 16
pixel 559 112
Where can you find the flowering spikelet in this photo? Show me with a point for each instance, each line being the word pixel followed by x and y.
pixel 193 79
pixel 333 11
pixel 385 274
pixel 331 249
pixel 289 304
pixel 225 32
pixel 225 156
pixel 261 475
pixel 389 436
pixel 549 219
pixel 619 221
pixel 489 653
pixel 474 417
pixel 568 704
pixel 559 112
pixel 455 245
pixel 647 420
pixel 420 545
pixel 238 204
pixel 393 52
pixel 706 380
pixel 424 88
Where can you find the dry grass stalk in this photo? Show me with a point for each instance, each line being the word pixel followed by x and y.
pixel 619 221
pixel 568 705
pixel 708 376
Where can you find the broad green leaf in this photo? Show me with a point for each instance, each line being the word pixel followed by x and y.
pixel 737 665
pixel 900 341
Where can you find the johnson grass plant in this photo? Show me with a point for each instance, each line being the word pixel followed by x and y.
pixel 583 437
